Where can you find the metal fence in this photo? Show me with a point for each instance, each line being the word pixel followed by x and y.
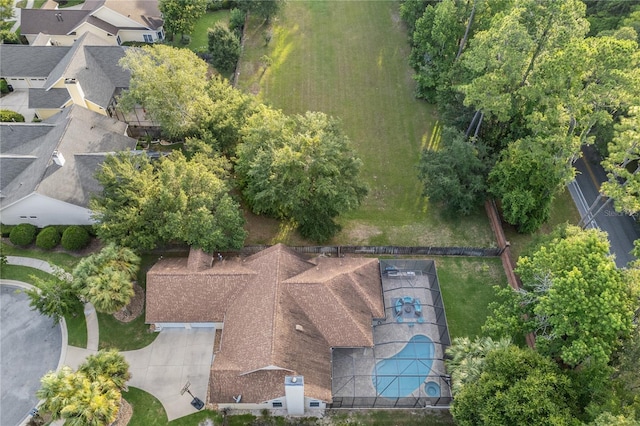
pixel 387 250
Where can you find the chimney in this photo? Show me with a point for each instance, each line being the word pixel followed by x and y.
pixel 294 395
pixel 58 158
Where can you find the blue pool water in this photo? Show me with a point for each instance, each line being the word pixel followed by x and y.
pixel 406 371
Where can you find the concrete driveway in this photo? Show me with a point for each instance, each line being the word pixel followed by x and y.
pixel 18 101
pixel 30 346
pixel 162 368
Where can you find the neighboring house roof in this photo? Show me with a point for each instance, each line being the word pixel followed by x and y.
pixel 94 64
pixel 144 12
pixel 282 314
pixel 83 137
pixel 51 21
pixel 29 61
pixel 54 98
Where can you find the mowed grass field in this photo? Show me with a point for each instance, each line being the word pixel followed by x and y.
pixel 349 59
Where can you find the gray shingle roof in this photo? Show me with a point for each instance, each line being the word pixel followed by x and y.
pixel 83 137
pixel 51 21
pixel 43 98
pixel 94 64
pixel 29 61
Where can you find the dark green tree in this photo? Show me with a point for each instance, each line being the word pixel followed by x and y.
pixel 266 9
pixel 454 175
pixel 224 47
pixel 299 168
pixel 516 387
pixel 180 16
pixel 526 178
pixel 144 205
pixel 54 296
pixel 171 85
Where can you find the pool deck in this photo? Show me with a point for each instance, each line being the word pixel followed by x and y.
pixel 354 369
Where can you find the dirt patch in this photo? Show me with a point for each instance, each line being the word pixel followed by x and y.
pixel 134 308
pixel 124 413
pixel 361 234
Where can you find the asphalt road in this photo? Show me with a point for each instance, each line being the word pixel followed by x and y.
pixel 622 229
pixel 30 346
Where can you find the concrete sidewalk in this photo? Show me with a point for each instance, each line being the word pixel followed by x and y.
pixel 162 368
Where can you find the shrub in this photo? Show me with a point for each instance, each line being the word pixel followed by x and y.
pixel 5 229
pixel 23 234
pixel 48 238
pixel 8 116
pixel 4 86
pixel 75 238
pixel 236 21
pixel 224 47
pixel 8 37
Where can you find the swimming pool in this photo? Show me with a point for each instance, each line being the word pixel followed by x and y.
pixel 406 371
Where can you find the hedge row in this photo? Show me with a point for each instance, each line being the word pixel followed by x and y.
pixel 73 237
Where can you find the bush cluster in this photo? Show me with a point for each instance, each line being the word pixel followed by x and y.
pixel 8 116
pixel 5 230
pixel 4 86
pixel 75 238
pixel 48 238
pixel 23 234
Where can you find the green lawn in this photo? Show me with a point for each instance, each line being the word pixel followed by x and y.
pixel 76 324
pixel 147 410
pixel 466 284
pixel 199 36
pixel 124 336
pixel 63 260
pixel 349 59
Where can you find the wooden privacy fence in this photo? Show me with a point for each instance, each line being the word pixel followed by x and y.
pixel 386 250
pixel 507 261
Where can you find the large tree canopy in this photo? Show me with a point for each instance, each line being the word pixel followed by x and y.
pixel 224 47
pixel 516 387
pixel 300 168
pixel 170 84
pixel 526 179
pixel 581 304
pixel 143 204
pixel 454 174
pixel 180 16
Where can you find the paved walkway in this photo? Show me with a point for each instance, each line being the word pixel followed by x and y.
pixel 162 368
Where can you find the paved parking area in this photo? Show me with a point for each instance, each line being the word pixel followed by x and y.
pixel 30 346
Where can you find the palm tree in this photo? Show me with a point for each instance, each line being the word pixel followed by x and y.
pixel 77 399
pixel 109 291
pixel 109 364
pixel 466 358
pixel 105 278
pixel 90 396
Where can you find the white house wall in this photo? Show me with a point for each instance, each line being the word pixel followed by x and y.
pixel 19 82
pixel 40 210
pixel 86 27
pixel 56 40
pixel 114 18
pixel 137 35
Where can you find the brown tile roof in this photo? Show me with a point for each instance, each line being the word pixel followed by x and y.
pixel 282 315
